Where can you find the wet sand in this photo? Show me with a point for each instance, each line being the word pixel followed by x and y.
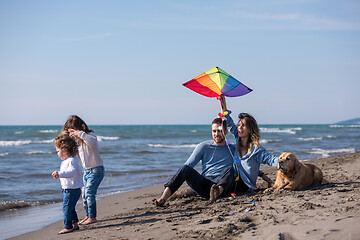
pixel 330 211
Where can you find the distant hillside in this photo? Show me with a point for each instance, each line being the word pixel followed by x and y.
pixel 351 121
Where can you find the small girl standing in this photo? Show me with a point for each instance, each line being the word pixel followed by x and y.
pixel 70 174
pixel 91 162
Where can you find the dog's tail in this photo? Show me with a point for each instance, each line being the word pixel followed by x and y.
pixel 318 176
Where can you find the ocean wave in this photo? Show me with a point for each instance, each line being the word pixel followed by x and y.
pixel 171 146
pixel 278 130
pixel 14 143
pixel 111 193
pixel 7 205
pixel 326 153
pixel 37 152
pixel 265 141
pixel 19 132
pixel 22 142
pixel 48 131
pixel 4 205
pixel 344 126
pixel 310 139
pixel 4 154
pixel 102 138
pixel 45 141
pixel 315 138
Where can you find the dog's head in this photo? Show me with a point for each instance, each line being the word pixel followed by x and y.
pixel 288 163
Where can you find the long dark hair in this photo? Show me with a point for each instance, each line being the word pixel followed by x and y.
pixel 75 122
pixel 254 133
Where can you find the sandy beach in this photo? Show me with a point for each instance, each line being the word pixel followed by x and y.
pixel 330 211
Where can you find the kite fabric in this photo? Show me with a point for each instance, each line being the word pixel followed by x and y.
pixel 215 83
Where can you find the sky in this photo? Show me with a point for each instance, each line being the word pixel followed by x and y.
pixel 124 62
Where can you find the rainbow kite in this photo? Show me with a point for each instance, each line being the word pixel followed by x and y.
pixel 215 83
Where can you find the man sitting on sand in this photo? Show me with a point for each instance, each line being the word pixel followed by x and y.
pixel 217 159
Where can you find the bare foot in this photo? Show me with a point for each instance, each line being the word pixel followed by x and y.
pixel 65 231
pixel 89 221
pixel 82 221
pixel 214 193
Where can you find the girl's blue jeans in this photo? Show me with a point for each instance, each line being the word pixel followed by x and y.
pixel 70 198
pixel 92 180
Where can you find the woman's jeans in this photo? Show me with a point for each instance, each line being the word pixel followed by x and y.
pixel 70 198
pixel 92 180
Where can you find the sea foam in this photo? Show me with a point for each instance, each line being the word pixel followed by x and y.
pixel 14 143
pixel 172 146
pixel 278 130
pixel 37 152
pixel 102 138
pixel 48 131
pixel 5 205
pixel 326 153
pixel 45 141
pixel 265 141
pixel 344 126
pixel 315 138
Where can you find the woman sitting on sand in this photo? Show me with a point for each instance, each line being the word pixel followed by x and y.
pixel 249 153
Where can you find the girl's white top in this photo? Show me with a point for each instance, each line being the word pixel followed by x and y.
pixel 89 150
pixel 70 173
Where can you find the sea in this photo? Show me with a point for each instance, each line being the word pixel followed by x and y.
pixel 134 156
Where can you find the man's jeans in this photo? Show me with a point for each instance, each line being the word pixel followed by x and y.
pixel 92 180
pixel 196 181
pixel 70 198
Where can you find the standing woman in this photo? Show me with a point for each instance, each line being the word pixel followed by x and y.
pixel 91 162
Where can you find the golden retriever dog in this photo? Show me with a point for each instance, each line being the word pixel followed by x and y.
pixel 291 174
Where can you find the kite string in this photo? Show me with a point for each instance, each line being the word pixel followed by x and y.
pixel 222 116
